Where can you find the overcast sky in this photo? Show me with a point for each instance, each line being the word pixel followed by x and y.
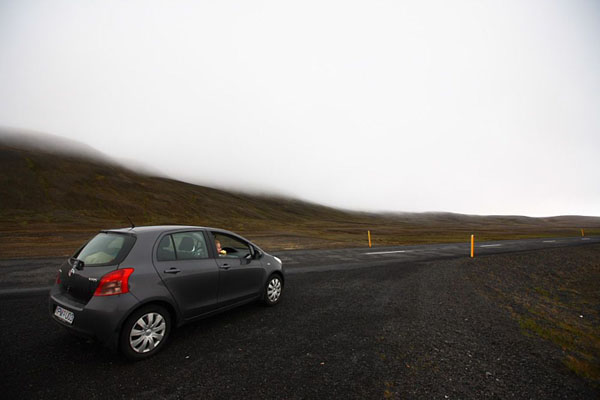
pixel 480 107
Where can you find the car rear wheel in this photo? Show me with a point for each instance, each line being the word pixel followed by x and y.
pixel 145 332
pixel 273 290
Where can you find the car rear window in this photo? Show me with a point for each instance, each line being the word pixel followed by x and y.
pixel 166 251
pixel 182 246
pixel 106 248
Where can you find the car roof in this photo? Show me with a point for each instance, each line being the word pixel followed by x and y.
pixel 156 229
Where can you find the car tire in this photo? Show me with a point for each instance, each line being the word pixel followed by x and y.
pixel 273 290
pixel 145 332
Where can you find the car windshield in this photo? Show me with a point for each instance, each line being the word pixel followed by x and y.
pixel 105 249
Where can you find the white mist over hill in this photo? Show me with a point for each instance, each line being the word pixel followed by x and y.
pixel 485 108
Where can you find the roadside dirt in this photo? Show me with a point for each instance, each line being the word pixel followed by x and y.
pixel 553 295
pixel 417 330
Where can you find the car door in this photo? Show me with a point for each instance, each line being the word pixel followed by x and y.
pixel 241 276
pixel 189 272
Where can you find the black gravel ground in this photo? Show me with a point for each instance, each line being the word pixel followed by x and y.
pixel 403 330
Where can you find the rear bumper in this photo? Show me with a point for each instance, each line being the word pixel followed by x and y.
pixel 101 318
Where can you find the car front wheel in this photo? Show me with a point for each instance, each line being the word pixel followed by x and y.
pixel 273 290
pixel 145 332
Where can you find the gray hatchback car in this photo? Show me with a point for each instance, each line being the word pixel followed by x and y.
pixel 130 287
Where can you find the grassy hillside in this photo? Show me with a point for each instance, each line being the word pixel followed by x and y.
pixel 51 201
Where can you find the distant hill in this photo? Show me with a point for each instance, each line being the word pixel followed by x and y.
pixel 58 191
pixel 66 184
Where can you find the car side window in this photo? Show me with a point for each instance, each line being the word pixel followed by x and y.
pixel 230 247
pixel 190 246
pixel 166 251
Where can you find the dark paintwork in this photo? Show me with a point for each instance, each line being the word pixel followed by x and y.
pixel 202 288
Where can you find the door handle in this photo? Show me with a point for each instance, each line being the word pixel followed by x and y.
pixel 224 266
pixel 172 271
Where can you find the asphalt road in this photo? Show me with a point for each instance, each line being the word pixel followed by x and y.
pixel 29 276
pixel 297 261
pixel 410 326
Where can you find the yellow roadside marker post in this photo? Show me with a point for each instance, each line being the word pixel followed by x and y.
pixel 582 234
pixel 472 246
pixel 369 235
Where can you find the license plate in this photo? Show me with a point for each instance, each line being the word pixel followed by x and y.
pixel 64 315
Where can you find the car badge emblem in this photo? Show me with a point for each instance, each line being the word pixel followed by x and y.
pixel 71 271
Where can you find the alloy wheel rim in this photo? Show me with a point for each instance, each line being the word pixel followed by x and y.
pixel 274 290
pixel 147 332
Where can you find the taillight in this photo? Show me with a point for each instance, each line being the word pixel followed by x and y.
pixel 58 277
pixel 115 282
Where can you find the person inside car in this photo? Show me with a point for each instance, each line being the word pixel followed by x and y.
pixel 220 251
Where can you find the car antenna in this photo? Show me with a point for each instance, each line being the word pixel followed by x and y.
pixel 131 222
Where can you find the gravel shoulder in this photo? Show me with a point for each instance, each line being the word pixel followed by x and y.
pixel 417 330
pixel 555 297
